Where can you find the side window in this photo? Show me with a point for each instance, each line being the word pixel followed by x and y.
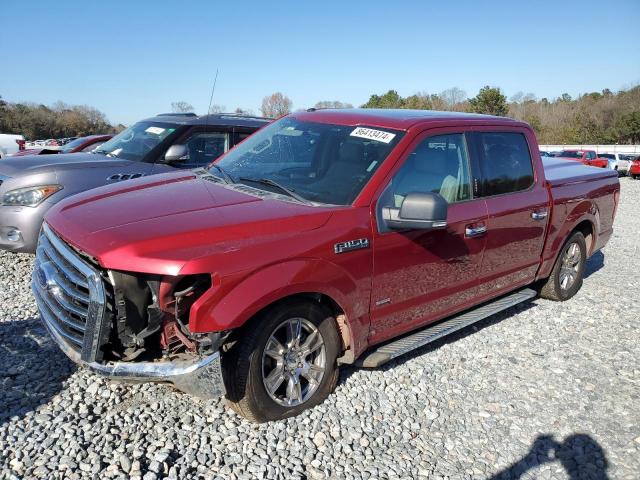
pixel 439 164
pixel 204 148
pixel 505 163
pixel 91 147
pixel 591 155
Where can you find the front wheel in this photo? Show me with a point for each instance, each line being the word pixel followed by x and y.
pixel 283 363
pixel 567 274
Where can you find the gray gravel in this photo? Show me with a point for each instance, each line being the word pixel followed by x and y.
pixel 547 390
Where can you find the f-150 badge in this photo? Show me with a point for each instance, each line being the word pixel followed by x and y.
pixel 344 247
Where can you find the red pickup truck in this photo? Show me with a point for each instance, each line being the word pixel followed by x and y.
pixel 328 237
pixel 586 157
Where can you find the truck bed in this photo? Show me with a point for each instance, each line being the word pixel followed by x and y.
pixel 561 172
pixel 578 191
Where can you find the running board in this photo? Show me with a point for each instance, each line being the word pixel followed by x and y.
pixel 380 355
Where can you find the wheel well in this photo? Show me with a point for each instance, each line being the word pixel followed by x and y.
pixel 586 228
pixel 330 304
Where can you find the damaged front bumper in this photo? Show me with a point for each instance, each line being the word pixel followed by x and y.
pixel 201 377
pixel 71 299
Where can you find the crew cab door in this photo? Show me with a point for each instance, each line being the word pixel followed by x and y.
pixel 421 275
pixel 512 184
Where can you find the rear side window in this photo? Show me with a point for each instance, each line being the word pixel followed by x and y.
pixel 505 163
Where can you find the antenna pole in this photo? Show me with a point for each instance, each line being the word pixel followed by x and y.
pixel 213 89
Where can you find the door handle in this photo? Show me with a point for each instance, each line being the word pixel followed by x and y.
pixel 478 231
pixel 540 215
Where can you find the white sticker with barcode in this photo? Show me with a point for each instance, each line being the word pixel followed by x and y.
pixel 371 134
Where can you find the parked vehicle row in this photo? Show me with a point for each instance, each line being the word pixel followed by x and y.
pixel 615 161
pixel 327 237
pixel 10 144
pixel 82 144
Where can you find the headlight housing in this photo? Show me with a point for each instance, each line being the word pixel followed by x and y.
pixel 29 196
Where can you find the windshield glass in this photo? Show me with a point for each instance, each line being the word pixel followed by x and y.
pixel 319 162
pixel 570 154
pixel 136 141
pixel 73 144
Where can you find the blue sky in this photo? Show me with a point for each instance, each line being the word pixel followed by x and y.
pixel 131 59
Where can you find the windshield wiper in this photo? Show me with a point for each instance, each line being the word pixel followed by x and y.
pixel 272 183
pixel 227 178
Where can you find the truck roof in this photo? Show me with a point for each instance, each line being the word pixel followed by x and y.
pixel 226 119
pixel 400 119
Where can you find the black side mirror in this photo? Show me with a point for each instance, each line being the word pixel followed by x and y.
pixel 424 211
pixel 176 154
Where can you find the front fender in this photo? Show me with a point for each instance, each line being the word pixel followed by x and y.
pixel 233 300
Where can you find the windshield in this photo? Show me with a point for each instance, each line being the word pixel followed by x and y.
pixel 570 154
pixel 319 162
pixel 73 144
pixel 136 141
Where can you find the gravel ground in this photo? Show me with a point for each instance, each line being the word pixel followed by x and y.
pixel 546 390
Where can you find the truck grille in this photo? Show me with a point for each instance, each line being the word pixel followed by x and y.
pixel 70 295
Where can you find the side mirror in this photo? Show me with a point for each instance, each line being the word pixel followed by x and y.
pixel 424 211
pixel 176 153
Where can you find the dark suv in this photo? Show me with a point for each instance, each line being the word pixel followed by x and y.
pixel 30 185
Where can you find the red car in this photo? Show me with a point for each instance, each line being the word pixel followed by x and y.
pixel 82 144
pixel 634 169
pixel 328 237
pixel 587 157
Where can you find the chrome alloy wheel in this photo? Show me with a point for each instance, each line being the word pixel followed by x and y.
pixel 570 266
pixel 293 362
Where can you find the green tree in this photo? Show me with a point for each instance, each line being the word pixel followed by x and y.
pixel 391 99
pixel 628 128
pixel 490 100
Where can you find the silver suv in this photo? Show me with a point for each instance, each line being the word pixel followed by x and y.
pixel 30 185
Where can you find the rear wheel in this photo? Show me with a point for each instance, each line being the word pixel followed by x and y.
pixel 566 278
pixel 284 362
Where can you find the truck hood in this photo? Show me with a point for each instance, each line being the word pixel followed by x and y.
pixel 158 224
pixel 29 164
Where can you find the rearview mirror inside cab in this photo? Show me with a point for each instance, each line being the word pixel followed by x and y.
pixel 424 211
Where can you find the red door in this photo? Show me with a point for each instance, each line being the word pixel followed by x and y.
pixel 517 206
pixel 422 275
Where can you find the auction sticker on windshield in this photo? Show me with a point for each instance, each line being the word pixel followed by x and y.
pixel 155 130
pixel 371 134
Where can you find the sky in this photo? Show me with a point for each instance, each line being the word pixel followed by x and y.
pixel 131 59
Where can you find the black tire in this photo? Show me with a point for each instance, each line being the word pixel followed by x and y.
pixel 556 287
pixel 243 365
pixel 635 177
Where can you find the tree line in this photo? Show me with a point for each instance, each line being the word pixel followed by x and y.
pixel 36 121
pixel 593 118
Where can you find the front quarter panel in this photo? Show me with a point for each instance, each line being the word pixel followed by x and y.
pixel 345 278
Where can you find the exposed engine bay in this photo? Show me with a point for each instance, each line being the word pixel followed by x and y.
pixel 149 317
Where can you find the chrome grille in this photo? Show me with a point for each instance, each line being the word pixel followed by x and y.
pixel 70 295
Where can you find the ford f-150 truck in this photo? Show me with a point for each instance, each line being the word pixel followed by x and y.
pixel 328 237
pixel 30 185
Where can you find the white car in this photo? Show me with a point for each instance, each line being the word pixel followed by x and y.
pixel 10 144
pixel 618 161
